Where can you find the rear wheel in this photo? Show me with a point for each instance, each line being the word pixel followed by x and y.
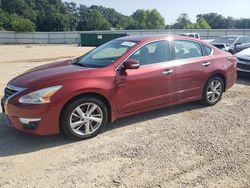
pixel 213 91
pixel 84 118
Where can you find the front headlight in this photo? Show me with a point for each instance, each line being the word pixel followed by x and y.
pixel 39 97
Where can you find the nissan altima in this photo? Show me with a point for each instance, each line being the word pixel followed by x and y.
pixel 123 77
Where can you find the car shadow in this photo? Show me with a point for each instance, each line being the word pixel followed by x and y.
pixel 13 142
pixel 155 114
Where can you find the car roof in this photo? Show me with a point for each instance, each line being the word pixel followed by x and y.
pixel 143 38
pixel 237 36
pixel 189 33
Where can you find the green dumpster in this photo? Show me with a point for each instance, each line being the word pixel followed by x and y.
pixel 90 39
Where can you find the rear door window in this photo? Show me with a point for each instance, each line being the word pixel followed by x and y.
pixel 184 49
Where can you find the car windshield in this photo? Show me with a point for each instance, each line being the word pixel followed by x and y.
pixel 105 55
pixel 225 40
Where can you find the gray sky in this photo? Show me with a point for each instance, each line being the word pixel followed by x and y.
pixel 170 9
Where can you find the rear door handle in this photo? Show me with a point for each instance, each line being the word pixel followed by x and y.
pixel 167 72
pixel 206 64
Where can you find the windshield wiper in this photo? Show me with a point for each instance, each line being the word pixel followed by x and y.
pixel 75 62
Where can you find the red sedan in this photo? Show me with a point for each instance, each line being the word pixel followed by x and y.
pixel 123 77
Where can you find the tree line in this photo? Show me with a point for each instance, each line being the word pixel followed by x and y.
pixel 56 15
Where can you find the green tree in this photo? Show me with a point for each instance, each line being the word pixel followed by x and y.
pixel 1 27
pixel 140 19
pixel 242 23
pixel 58 15
pixel 191 26
pixel 230 23
pixel 52 16
pixel 52 21
pixel 2 17
pixel 24 8
pixel 155 20
pixel 97 21
pixel 83 16
pixel 126 22
pixel 72 15
pixel 201 24
pixel 147 19
pixel 183 21
pixel 215 21
pixel 19 24
pixel 112 16
pixel 5 21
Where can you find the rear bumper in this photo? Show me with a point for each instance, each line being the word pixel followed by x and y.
pixel 18 114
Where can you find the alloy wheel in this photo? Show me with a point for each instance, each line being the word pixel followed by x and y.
pixel 214 91
pixel 86 119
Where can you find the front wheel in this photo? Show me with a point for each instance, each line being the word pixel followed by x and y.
pixel 213 91
pixel 84 118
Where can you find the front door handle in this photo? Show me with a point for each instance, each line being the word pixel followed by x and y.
pixel 206 64
pixel 167 72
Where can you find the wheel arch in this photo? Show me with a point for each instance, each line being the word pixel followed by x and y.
pixel 220 75
pixel 89 94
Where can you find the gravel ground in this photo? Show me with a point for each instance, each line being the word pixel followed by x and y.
pixel 182 146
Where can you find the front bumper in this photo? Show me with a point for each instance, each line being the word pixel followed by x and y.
pixel 22 117
pixel 243 70
pixel 243 65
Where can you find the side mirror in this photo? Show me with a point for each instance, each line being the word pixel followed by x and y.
pixel 238 43
pixel 131 64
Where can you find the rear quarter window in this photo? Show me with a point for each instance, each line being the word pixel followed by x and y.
pixel 206 50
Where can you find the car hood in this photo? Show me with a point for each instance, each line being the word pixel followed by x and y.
pixel 53 72
pixel 244 54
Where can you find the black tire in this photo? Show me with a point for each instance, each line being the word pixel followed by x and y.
pixel 205 99
pixel 69 109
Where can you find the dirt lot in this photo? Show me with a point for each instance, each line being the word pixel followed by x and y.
pixel 15 59
pixel 182 146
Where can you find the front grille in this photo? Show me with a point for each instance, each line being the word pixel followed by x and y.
pixel 243 66
pixel 244 60
pixel 9 91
